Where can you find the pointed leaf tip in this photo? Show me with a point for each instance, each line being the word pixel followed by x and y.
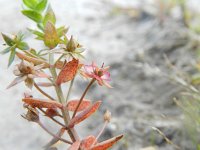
pixel 106 144
pixel 84 114
pixel 9 41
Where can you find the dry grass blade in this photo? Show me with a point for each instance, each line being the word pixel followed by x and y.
pixel 106 144
pixel 166 138
pixel 84 114
pixel 72 104
pixel 68 72
pixel 42 103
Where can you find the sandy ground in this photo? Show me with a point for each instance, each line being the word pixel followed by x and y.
pixel 133 47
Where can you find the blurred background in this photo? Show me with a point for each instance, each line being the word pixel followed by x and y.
pixel 152 47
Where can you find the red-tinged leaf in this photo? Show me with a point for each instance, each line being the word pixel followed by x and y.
pixel 84 114
pixel 68 72
pixel 106 144
pixel 52 112
pixel 71 105
pixel 55 140
pixel 37 61
pixel 88 142
pixel 42 103
pixel 75 146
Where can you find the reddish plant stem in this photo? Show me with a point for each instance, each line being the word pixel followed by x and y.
pixel 41 91
pixel 55 136
pixel 56 121
pixel 82 97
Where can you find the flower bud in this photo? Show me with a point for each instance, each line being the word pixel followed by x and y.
pixel 107 116
pixel 71 45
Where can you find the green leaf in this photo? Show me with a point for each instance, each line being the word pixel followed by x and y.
pixel 41 5
pixel 8 40
pixel 35 16
pixel 49 16
pixel 12 56
pixel 62 31
pixel 40 26
pixel 38 33
pixel 5 51
pixel 30 3
pixel 23 46
pixel 51 38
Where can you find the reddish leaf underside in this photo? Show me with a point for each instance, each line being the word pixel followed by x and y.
pixel 42 103
pixel 106 144
pixel 87 142
pixel 75 146
pixel 84 114
pixel 68 72
pixel 52 112
pixel 72 104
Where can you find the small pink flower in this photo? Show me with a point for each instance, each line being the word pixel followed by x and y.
pixel 100 74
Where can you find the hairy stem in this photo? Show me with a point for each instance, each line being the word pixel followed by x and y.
pixel 82 97
pixel 55 136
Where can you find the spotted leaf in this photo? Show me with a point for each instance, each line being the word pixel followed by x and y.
pixel 68 72
pixel 72 104
pixel 42 103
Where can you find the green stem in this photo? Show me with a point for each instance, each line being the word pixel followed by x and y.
pixel 72 133
pixel 82 97
pixel 59 58
pixel 70 89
